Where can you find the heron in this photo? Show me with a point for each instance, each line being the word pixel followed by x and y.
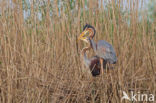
pixel 103 50
pixel 92 63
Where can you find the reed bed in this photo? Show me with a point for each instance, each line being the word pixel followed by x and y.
pixel 40 56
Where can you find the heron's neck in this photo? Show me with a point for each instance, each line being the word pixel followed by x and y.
pixel 86 60
pixel 93 44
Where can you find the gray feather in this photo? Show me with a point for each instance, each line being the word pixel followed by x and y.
pixel 106 51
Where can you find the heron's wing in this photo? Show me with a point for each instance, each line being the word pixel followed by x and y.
pixel 106 51
pixel 95 66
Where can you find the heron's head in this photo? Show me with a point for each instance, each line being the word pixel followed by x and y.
pixel 88 32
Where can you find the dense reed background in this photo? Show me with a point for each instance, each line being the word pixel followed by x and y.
pixel 40 55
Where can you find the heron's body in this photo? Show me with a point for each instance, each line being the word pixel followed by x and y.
pixel 103 50
pixel 92 63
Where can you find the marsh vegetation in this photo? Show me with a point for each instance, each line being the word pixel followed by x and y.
pixel 40 55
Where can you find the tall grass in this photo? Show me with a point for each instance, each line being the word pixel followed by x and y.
pixel 40 59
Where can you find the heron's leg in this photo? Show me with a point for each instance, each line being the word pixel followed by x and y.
pixel 101 62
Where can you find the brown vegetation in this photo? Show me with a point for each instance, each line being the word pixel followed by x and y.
pixel 40 59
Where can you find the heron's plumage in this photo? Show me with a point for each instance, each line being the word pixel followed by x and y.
pixel 95 66
pixel 87 62
pixel 106 51
pixel 103 50
pixel 93 63
pixel 89 26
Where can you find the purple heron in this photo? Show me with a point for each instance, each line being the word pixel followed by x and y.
pixel 92 63
pixel 103 50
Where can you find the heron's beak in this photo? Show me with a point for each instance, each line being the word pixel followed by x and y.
pixel 81 37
